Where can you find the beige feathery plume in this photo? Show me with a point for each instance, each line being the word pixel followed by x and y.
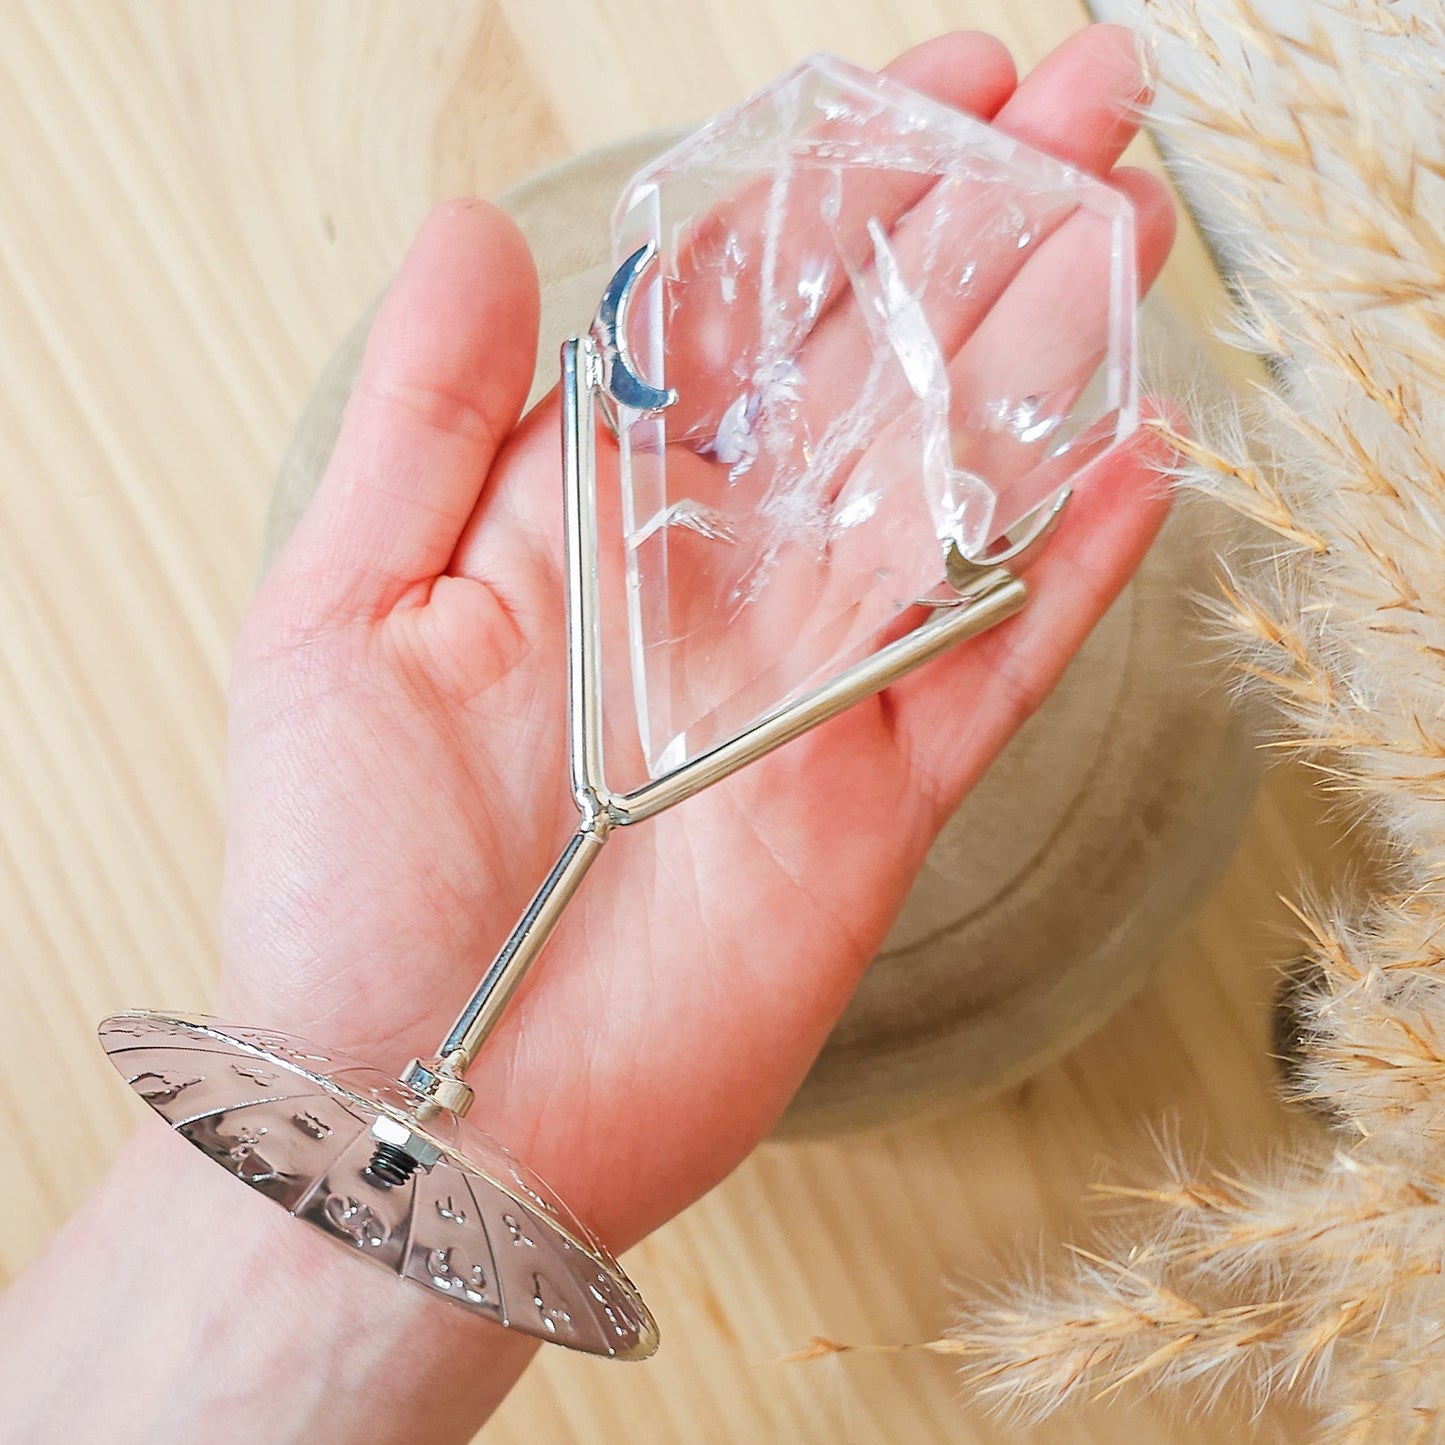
pixel 1323 155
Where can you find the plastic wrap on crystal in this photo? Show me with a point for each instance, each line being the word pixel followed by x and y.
pixel 891 328
pixel 474 1225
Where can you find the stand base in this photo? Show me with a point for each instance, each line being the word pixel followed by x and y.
pixel 384 1171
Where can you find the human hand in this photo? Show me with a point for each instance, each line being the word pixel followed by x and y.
pixel 398 738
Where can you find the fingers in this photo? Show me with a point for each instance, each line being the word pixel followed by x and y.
pixel 967 69
pixel 1082 101
pixel 952 718
pixel 738 300
pixel 1015 382
pixel 966 240
pixel 1022 412
pixel 443 380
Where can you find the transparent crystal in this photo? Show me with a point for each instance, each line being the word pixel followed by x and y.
pixel 892 329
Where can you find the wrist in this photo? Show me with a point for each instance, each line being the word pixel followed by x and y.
pixel 221 1318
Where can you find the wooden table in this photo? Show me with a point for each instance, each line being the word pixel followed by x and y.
pixel 196 199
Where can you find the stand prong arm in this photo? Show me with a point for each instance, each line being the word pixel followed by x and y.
pixel 441 1077
pixel 996 596
pixel 584 643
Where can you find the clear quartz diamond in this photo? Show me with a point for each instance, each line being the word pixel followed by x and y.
pixel 892 329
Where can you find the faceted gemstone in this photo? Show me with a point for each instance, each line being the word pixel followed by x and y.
pixel 892 330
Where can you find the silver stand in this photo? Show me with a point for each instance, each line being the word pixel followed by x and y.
pixel 382 1166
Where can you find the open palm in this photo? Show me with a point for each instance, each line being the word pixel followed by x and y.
pixel 398 756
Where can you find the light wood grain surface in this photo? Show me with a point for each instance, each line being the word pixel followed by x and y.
pixel 196 199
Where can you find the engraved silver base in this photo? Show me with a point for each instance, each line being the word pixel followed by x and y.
pixel 465 1221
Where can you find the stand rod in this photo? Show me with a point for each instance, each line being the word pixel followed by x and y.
pixel 998 596
pixel 503 977
pixel 580 380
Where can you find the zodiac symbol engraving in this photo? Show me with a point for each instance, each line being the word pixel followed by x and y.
pixel 545 1205
pixel 450 1270
pixel 250 1165
pixel 150 1028
pixel 448 1209
pixel 274 1042
pixel 157 1088
pixel 555 1320
pixel 615 1306
pixel 356 1221
pixel 308 1123
pixel 519 1236
pixel 280 1045
pixel 255 1073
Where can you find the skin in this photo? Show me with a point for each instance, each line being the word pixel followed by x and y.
pixel 396 757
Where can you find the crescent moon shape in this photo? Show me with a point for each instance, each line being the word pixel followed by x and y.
pixel 1020 542
pixel 621 379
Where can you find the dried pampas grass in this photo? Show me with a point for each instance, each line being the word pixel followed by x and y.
pixel 1323 156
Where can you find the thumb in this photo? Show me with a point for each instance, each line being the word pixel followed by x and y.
pixel 443 380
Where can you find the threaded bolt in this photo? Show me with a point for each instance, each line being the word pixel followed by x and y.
pixel 391 1164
